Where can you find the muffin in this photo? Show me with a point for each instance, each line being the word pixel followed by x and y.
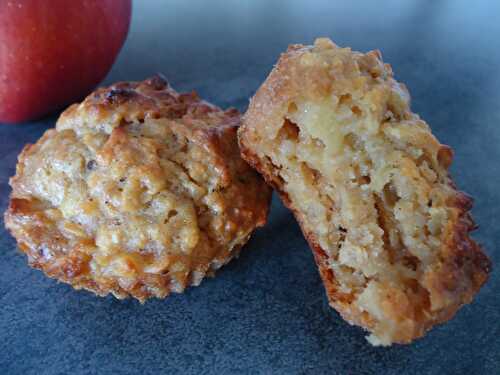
pixel 332 131
pixel 138 191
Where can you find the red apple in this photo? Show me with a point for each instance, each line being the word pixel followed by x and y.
pixel 54 52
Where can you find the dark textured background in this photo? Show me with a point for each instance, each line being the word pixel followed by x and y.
pixel 266 312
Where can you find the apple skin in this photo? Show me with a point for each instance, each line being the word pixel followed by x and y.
pixel 52 53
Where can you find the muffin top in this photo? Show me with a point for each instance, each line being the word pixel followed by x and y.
pixel 139 190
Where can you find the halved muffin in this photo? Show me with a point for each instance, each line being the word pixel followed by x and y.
pixel 333 132
pixel 138 191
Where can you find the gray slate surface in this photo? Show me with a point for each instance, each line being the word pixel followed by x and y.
pixel 266 312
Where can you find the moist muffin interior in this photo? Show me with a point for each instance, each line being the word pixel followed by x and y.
pixel 369 185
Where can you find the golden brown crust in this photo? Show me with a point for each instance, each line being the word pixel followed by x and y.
pixel 396 286
pixel 139 191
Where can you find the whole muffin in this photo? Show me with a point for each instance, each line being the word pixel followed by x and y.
pixel 138 191
pixel 333 132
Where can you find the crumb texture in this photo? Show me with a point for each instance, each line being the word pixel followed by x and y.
pixel 333 131
pixel 138 191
